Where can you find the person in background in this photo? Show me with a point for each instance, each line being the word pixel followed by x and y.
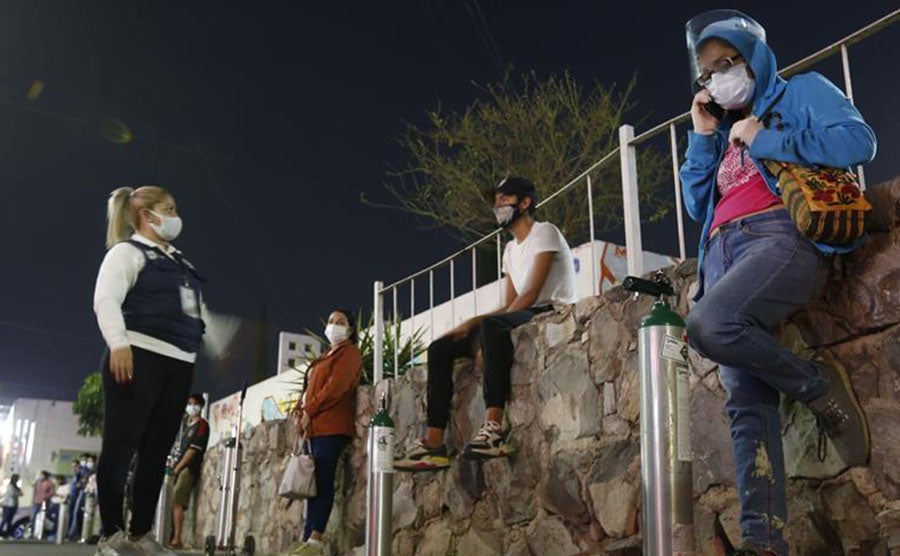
pixel 187 471
pixel 43 491
pixel 756 269
pixel 540 275
pixel 74 490
pixel 325 416
pixel 149 308
pixel 85 470
pixel 62 489
pixel 9 504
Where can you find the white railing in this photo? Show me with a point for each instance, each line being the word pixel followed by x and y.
pixel 626 153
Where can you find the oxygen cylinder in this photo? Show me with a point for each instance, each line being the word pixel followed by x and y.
pixel 163 514
pixel 40 521
pixel 90 507
pixel 61 523
pixel 381 482
pixel 666 467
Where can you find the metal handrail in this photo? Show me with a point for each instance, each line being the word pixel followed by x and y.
pixel 796 67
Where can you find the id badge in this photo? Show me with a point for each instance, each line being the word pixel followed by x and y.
pixel 189 302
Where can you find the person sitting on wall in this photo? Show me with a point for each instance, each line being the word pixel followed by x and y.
pixel 190 461
pixel 540 275
pixel 326 417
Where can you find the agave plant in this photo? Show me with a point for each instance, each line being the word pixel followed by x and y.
pixel 407 350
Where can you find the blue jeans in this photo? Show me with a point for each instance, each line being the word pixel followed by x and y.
pixel 759 271
pixel 325 450
pixel 6 521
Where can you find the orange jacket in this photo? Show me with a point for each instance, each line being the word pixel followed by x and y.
pixel 330 399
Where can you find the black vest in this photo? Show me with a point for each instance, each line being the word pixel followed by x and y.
pixel 153 306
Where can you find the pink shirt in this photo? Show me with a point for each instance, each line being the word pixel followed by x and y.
pixel 742 189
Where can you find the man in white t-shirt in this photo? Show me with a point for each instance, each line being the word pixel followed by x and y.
pixel 540 275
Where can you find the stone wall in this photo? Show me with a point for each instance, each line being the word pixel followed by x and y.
pixel 573 487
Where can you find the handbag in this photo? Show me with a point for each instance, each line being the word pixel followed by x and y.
pixel 826 204
pixel 299 479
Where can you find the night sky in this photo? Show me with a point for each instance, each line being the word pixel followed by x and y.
pixel 268 119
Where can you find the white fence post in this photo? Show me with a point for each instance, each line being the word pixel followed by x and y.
pixel 630 202
pixel 676 178
pixel 848 87
pixel 595 285
pixel 378 326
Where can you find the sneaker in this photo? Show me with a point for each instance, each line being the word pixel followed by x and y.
pixel 492 441
pixel 149 546
pixel 117 545
pixel 309 549
pixel 839 414
pixel 423 458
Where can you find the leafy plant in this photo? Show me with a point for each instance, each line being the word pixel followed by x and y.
pixel 547 130
pixel 407 349
pixel 89 406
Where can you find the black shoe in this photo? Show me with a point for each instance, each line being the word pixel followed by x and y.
pixel 839 414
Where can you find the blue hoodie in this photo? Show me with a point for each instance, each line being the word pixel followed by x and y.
pixel 820 128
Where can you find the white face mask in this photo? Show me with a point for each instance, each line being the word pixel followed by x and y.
pixel 507 214
pixel 89 464
pixel 192 410
pixel 732 89
pixel 169 226
pixel 336 333
pixel 83 463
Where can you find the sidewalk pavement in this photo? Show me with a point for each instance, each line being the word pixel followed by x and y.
pixel 34 548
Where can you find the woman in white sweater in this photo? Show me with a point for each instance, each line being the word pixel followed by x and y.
pixel 148 303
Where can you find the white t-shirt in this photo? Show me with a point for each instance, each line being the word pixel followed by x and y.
pixel 518 263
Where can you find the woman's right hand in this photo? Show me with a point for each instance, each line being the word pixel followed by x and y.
pixel 301 421
pixel 121 365
pixel 704 122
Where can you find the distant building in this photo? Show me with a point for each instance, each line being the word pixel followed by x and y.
pixel 295 351
pixel 40 435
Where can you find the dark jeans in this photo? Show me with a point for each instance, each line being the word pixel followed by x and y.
pixel 142 416
pixel 758 271
pixel 77 520
pixel 6 523
pixel 494 336
pixel 326 450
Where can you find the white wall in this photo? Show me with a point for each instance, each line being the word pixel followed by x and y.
pixel 267 400
pixel 296 350
pixel 55 438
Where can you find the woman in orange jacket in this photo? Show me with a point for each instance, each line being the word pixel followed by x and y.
pixel 326 416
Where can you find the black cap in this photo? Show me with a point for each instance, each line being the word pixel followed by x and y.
pixel 515 185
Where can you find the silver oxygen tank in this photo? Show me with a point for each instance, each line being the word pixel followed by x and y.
pixel 163 514
pixel 381 483
pixel 666 468
pixel 90 509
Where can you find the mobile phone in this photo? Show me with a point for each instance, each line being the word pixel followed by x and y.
pixel 714 110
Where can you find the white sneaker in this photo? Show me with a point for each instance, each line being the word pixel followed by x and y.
pixel 117 545
pixel 150 547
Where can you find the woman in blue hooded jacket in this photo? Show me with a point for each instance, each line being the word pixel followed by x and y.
pixel 756 269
